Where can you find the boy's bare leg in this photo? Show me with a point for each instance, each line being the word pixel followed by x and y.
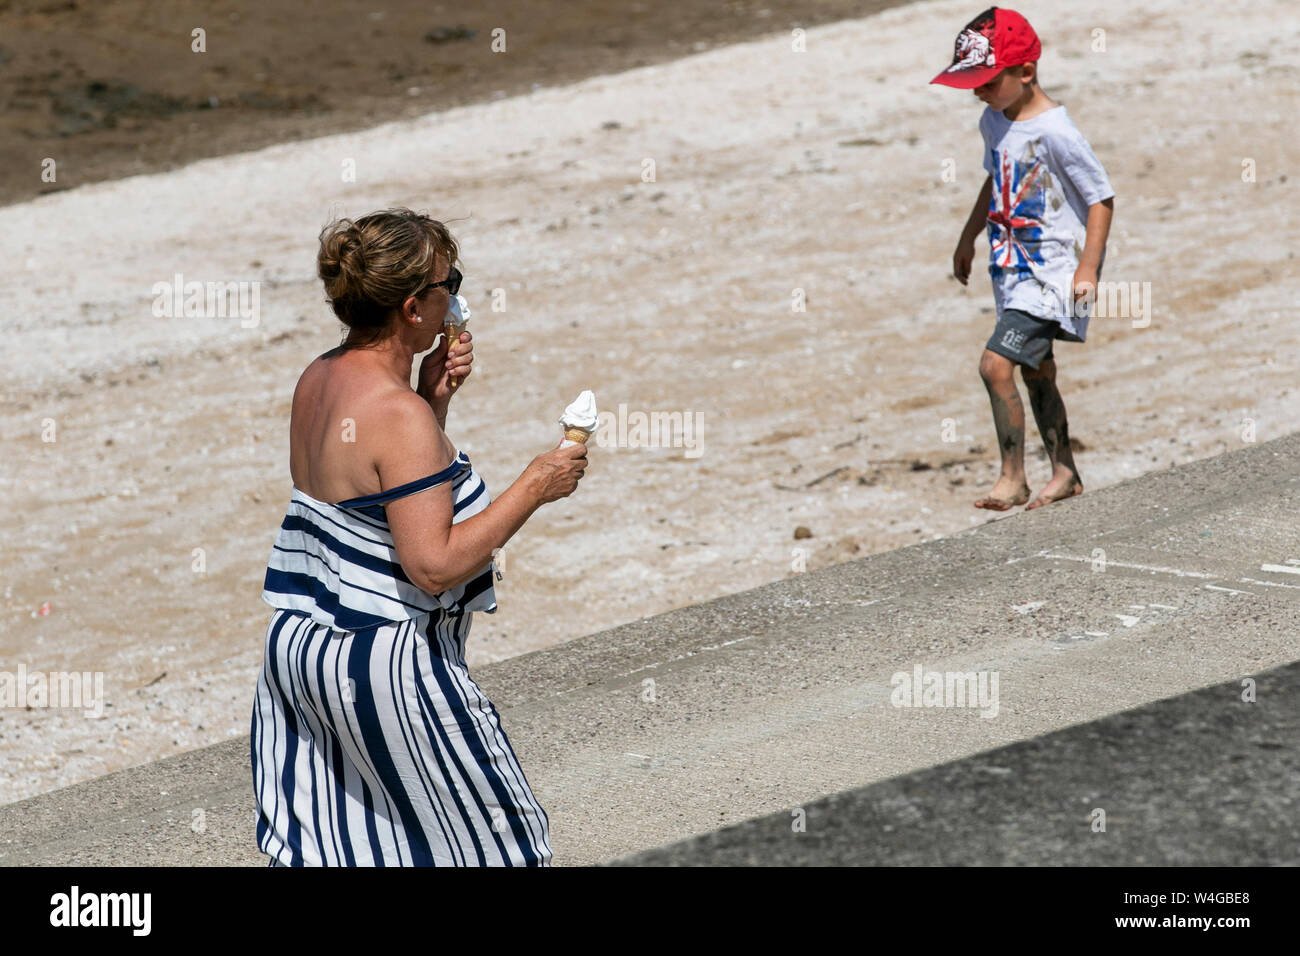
pixel 1049 413
pixel 999 377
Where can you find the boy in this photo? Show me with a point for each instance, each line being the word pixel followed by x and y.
pixel 1047 207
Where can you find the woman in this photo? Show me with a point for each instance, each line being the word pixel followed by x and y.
pixel 371 745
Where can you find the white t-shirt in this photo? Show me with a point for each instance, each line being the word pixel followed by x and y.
pixel 1045 176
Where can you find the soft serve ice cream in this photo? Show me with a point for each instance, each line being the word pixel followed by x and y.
pixel 579 419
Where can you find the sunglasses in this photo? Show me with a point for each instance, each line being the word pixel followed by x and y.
pixel 452 282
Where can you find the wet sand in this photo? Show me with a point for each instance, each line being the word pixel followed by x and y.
pixel 117 87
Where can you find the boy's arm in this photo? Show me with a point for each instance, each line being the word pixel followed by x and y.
pixel 1083 169
pixel 1098 229
pixel 975 222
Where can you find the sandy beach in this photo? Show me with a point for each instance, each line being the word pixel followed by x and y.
pixel 646 235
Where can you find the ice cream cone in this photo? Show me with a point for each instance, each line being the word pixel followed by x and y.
pixel 579 420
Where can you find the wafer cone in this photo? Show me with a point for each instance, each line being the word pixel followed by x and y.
pixel 574 434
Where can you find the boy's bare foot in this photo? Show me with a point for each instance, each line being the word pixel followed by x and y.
pixel 1056 490
pixel 1004 496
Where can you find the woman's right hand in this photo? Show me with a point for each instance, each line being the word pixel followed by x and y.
pixel 555 473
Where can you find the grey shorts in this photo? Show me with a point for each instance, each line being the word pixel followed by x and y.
pixel 1023 338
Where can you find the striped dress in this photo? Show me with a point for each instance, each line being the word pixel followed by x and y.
pixel 371 745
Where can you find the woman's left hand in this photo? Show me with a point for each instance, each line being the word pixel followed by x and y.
pixel 437 370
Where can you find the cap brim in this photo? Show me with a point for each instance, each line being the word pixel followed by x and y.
pixel 967 79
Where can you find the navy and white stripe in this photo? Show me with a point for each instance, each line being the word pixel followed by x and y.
pixel 372 746
pixel 337 563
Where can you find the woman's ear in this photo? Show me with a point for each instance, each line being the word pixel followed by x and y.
pixel 411 310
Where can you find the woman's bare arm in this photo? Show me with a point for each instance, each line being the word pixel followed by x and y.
pixel 436 554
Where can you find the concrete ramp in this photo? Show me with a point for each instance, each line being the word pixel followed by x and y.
pixel 691 721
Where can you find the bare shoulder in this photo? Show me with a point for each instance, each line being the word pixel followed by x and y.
pixel 402 410
pixel 311 386
pixel 410 444
pixel 352 433
pixel 309 377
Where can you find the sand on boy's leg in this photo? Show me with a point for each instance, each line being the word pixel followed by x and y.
pixel 1010 490
pixel 1049 413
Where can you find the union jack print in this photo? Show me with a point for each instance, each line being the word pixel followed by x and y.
pixel 1016 214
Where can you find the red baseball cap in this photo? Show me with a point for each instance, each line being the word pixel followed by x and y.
pixel 990 43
